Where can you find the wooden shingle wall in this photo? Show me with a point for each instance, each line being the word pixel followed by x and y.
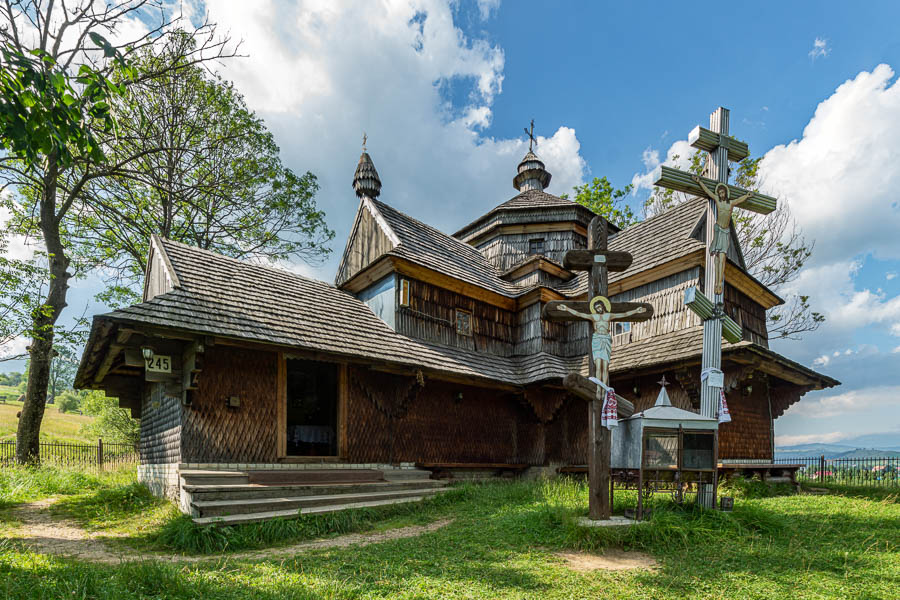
pixel 748 314
pixel 431 316
pixel 212 432
pixel 669 312
pixel 749 434
pixel 160 424
pixel 446 422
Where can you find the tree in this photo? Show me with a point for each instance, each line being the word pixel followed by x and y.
pixel 605 200
pixel 773 246
pixel 111 423
pixel 59 78
pixel 69 401
pixel 217 181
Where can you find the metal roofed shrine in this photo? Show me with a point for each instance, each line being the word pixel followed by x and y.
pixel 435 356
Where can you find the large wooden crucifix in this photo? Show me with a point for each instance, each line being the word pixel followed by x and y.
pixel 600 312
pixel 722 200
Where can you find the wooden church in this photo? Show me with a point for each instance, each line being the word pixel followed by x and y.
pixel 428 353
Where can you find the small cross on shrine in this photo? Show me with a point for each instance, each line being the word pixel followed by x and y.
pixel 722 200
pixel 605 405
pixel 531 139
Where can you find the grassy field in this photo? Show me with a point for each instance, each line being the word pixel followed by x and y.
pixel 56 426
pixel 502 543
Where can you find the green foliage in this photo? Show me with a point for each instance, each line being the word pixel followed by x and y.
pixel 45 109
pixel 603 199
pixel 11 379
pixel 741 487
pixel 111 423
pixel 69 401
pixel 216 180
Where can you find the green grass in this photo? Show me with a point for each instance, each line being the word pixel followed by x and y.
pixel 502 544
pixel 56 426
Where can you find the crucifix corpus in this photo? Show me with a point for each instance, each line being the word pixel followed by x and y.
pixel 722 200
pixel 600 312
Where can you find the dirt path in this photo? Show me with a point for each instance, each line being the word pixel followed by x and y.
pixel 45 534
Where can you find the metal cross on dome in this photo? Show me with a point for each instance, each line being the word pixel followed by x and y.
pixel 365 137
pixel 531 139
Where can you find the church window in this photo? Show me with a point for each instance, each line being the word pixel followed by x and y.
pixel 404 292
pixel 621 327
pixel 536 246
pixel 463 322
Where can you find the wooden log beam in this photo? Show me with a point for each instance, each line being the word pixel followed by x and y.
pixel 681 181
pixel 552 312
pixel 583 260
pixel 584 388
pixel 708 140
pixel 697 301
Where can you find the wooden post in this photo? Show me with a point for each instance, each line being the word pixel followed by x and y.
pixel 599 440
pixel 100 452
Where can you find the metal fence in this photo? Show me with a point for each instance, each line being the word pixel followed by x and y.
pixel 100 454
pixel 881 471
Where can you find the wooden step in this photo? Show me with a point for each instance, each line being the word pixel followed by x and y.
pixel 251 491
pixel 259 505
pixel 303 476
pixel 281 514
pixel 214 477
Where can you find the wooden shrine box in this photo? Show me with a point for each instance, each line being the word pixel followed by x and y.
pixel 664 448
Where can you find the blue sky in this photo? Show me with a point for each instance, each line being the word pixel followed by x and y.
pixel 443 92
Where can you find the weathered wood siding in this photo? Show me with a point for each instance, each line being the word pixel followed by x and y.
pixel 367 242
pixel 748 314
pixel 669 312
pixel 160 424
pixel 213 432
pixel 431 316
pixel 509 250
pixel 393 420
pixel 158 280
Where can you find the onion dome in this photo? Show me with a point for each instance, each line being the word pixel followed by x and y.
pixel 365 180
pixel 531 174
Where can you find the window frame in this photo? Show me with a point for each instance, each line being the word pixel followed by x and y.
pixel 468 313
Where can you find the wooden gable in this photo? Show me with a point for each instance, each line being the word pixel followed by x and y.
pixel 370 238
pixel 160 277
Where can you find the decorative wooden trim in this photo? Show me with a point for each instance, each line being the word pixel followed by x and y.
pixel 424 274
pixel 281 406
pixel 343 415
pixel 538 264
pixel 678 265
pixel 525 228
pixel 376 271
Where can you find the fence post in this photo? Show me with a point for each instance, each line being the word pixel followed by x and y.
pixel 100 452
pixel 822 469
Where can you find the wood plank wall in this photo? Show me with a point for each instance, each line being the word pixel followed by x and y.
pixel 747 313
pixel 212 432
pixel 431 316
pixel 509 250
pixel 367 243
pixel 669 312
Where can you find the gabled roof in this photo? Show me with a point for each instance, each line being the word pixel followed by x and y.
pixel 230 298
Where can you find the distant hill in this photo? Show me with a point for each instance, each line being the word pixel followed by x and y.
pixel 834 451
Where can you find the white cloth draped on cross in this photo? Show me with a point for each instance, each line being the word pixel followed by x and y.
pixel 609 414
pixel 717 379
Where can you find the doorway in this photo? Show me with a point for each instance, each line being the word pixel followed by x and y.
pixel 312 408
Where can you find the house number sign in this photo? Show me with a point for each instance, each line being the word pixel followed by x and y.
pixel 159 363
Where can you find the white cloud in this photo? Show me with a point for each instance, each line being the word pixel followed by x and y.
pixel 896 350
pixel 324 72
pixel 810 438
pixel 678 156
pixel 487 8
pixel 820 49
pixel 15 347
pixel 890 275
pixel 871 399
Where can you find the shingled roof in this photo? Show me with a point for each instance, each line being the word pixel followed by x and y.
pixel 231 298
pixel 527 200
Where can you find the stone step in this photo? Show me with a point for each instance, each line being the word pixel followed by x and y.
pixel 281 514
pixel 222 508
pixel 406 474
pixel 251 491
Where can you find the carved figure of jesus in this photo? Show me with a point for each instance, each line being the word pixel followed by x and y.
pixel 722 237
pixel 601 340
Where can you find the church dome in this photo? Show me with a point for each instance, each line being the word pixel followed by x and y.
pixel 366 181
